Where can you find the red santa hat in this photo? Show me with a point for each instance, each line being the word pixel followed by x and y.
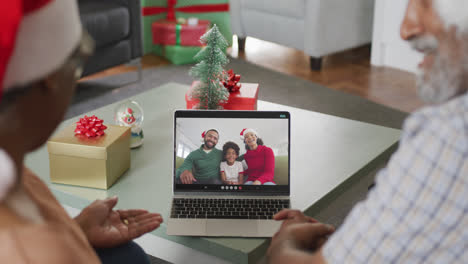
pixel 206 131
pixel 36 38
pixel 453 12
pixel 247 130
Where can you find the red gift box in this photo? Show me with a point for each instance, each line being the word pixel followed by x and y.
pixel 244 99
pixel 166 32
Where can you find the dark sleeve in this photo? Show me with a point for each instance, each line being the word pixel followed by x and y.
pixel 187 165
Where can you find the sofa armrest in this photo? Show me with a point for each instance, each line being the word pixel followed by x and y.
pixel 136 37
pixel 336 25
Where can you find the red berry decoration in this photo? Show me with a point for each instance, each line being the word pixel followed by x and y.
pixel 90 126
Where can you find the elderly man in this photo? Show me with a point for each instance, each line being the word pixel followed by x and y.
pixel 42 49
pixel 418 211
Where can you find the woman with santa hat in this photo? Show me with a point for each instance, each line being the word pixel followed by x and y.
pixel 42 51
pixel 259 158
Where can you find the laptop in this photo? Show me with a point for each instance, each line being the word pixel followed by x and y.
pixel 216 206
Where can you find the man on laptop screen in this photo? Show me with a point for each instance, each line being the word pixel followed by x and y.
pixel 202 165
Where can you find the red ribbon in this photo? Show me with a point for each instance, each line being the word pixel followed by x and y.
pixel 90 126
pixel 171 9
pixel 232 83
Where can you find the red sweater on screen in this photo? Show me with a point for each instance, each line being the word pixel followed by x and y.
pixel 261 164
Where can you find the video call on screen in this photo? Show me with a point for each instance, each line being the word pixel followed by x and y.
pixel 269 162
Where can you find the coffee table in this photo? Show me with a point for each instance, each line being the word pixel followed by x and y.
pixel 327 154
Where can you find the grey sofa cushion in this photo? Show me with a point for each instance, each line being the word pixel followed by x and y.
pixel 114 54
pixel 106 21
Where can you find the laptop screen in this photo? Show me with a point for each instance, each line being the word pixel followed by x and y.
pixel 232 151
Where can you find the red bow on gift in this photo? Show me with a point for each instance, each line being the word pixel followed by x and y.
pixel 232 83
pixel 90 126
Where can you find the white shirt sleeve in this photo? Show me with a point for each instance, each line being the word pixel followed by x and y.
pixel 223 166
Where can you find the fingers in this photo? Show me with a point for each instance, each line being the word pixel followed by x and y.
pixel 187 178
pixel 183 179
pixel 311 234
pixel 137 215
pixel 305 235
pixel 288 214
pixel 144 224
pixel 131 213
pixel 293 214
pixel 111 202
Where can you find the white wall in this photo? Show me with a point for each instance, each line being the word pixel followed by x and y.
pixel 274 132
pixel 388 49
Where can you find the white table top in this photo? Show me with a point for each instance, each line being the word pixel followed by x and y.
pixel 325 152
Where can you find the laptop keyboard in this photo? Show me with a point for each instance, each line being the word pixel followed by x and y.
pixel 227 208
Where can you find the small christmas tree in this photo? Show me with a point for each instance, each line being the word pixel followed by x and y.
pixel 210 71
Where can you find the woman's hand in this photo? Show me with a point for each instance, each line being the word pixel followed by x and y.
pixel 257 183
pixel 105 227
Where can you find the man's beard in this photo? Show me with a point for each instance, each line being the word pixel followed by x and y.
pixel 444 80
pixel 208 147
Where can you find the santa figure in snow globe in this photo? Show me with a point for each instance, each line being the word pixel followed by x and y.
pixel 130 114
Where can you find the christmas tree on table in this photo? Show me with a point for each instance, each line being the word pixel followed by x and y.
pixel 210 70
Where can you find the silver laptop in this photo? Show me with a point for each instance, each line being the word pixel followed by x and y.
pixel 223 199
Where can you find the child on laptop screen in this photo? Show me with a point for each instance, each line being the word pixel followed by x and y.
pixel 232 171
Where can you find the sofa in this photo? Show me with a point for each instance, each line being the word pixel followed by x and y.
pixel 115 25
pixel 317 27
pixel 281 168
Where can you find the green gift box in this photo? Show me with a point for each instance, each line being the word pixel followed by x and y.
pixel 180 54
pixel 216 11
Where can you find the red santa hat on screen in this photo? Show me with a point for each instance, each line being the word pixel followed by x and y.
pixel 247 130
pixel 453 12
pixel 36 37
pixel 206 131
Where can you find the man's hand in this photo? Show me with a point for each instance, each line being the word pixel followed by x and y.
pixel 289 216
pixel 299 243
pixel 186 177
pixel 298 236
pixel 105 227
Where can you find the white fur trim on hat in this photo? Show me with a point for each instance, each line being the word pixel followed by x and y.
pixel 247 130
pixel 7 174
pixel 203 134
pixel 453 13
pixel 46 37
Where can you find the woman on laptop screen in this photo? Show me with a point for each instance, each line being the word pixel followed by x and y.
pixel 259 158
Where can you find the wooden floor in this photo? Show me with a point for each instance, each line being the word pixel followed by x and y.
pixel 348 71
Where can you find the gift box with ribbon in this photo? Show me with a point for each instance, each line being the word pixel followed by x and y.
pixel 89 154
pixel 166 32
pixel 245 98
pixel 216 11
pixel 180 54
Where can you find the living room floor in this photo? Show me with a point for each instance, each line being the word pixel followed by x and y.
pixel 348 71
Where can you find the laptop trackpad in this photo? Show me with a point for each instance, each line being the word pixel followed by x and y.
pixel 235 227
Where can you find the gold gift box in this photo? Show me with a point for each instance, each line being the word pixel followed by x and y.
pixel 89 162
